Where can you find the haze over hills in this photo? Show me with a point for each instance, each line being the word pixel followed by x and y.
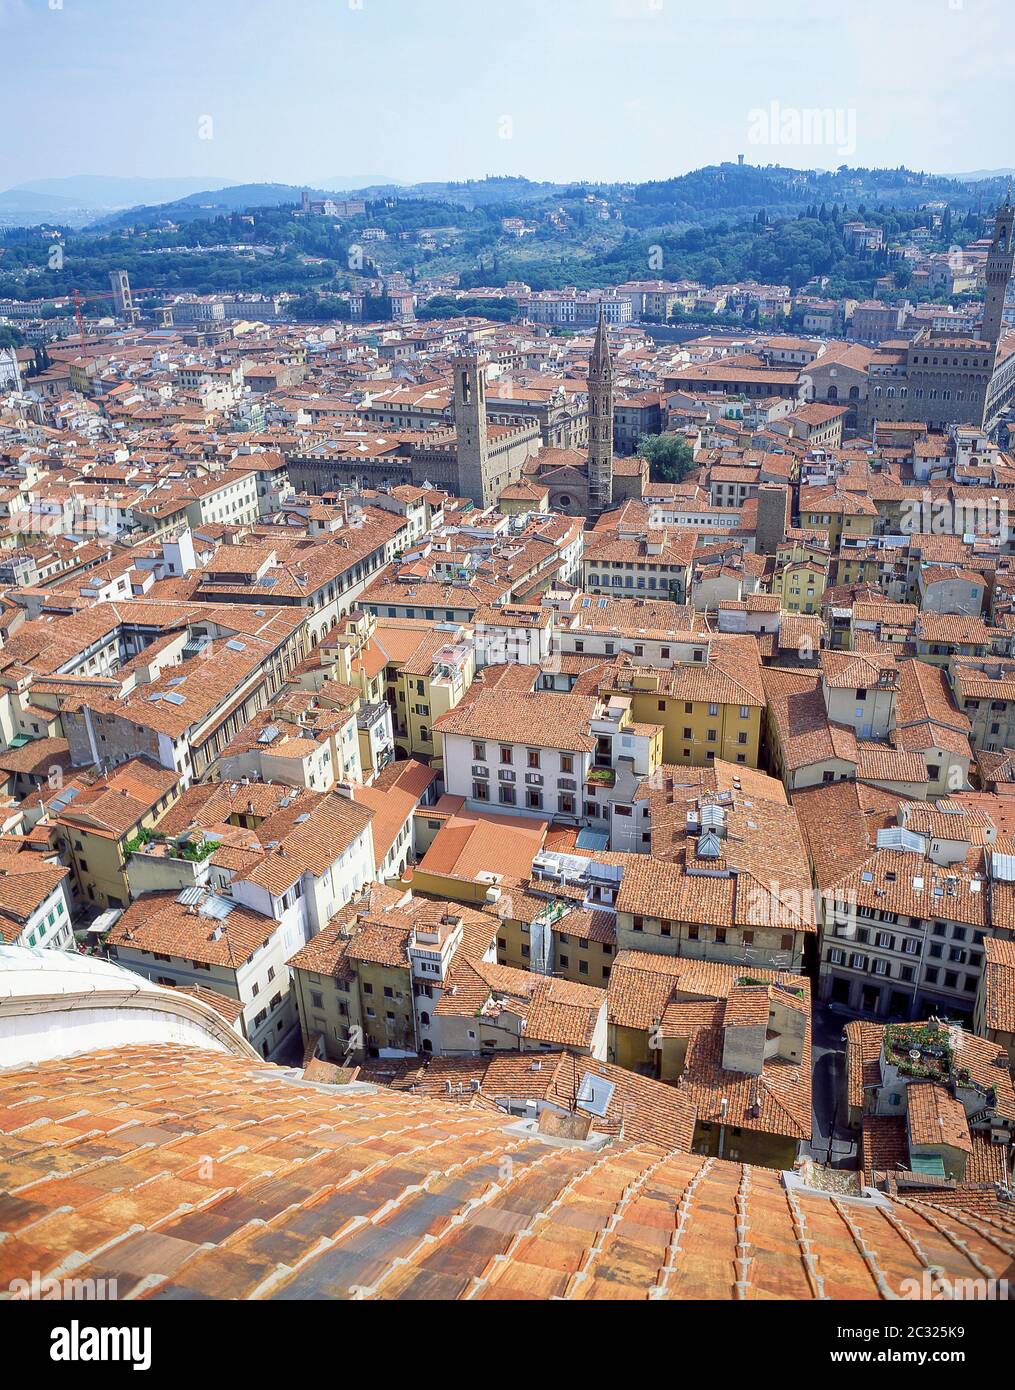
pixel 107 190
pixel 700 196
pixel 354 183
pixel 210 203
pixel 79 199
pixel 986 174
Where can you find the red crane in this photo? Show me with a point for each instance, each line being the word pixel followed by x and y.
pixel 78 299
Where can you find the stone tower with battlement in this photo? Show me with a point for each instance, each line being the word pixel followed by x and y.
pixel 600 467
pixel 473 448
pixel 1000 260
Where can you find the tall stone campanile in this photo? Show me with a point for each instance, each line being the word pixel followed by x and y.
pixel 470 426
pixel 600 423
pixel 999 271
pixel 123 300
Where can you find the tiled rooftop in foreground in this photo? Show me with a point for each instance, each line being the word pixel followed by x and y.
pixel 185 1173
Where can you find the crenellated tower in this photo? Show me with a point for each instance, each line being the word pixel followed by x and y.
pixel 1000 260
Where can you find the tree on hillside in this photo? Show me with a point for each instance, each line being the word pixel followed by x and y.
pixel 669 457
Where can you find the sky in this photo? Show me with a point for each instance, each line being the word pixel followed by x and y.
pixel 309 91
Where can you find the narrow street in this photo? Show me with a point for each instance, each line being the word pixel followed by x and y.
pixel 832 1141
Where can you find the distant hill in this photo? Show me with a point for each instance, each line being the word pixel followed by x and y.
pixel 355 183
pixel 20 208
pixel 701 197
pixel 735 190
pixel 105 191
pixel 474 193
pixel 207 203
pixel 78 201
pixel 577 244
pixel 979 174
pixel 18 199
pixel 719 224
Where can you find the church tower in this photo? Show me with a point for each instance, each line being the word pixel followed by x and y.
pixel 470 426
pixel 999 271
pixel 600 423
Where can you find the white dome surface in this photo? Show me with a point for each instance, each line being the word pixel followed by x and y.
pixel 60 1003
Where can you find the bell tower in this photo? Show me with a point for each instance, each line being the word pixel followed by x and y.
pixel 600 423
pixel 470 427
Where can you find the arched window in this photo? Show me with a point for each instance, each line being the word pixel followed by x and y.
pixel 424 1020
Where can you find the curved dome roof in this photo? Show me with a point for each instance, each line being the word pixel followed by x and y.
pixel 59 1003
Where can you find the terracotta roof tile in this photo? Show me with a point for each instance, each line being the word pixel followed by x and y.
pixel 352 1191
pixel 999 984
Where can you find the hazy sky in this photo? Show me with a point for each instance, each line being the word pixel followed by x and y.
pixel 303 91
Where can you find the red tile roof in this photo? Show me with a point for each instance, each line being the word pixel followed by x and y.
pixel 349 1192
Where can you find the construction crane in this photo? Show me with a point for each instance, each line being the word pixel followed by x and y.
pixel 77 298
